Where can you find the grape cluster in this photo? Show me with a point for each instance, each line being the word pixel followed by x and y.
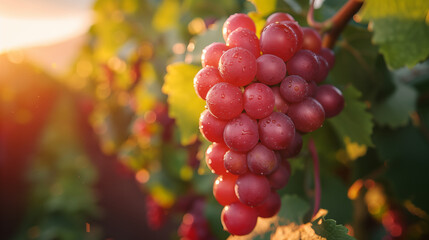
pixel 261 95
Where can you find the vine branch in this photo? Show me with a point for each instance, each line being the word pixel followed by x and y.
pixel 317 188
pixel 336 24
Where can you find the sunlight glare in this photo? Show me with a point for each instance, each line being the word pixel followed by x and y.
pixel 21 32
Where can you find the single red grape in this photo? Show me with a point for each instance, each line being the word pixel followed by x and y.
pixel 212 53
pixel 225 101
pixel 238 66
pixel 258 100
pixel 223 189
pixel 214 158
pixel 276 131
pixel 235 21
pixel 241 133
pixel 239 219
pixel 307 115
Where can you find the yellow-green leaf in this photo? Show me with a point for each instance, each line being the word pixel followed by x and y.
pixel 265 7
pixel 167 15
pixel 401 29
pixel 184 104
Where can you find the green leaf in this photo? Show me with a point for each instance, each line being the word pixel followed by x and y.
pixel 329 229
pixel 185 105
pixel 359 63
pixel 333 192
pixel 401 29
pixel 354 121
pixel 293 209
pixel 395 110
pixel 405 152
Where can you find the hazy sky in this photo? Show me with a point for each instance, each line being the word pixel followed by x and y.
pixel 27 23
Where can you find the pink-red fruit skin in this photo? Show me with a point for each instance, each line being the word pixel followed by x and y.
pixel 239 219
pixel 238 66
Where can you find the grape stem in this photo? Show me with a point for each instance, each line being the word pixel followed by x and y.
pixel 335 25
pixel 317 188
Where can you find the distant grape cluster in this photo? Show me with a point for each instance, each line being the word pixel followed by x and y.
pixel 261 95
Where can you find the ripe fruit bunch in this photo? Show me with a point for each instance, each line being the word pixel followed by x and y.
pixel 261 95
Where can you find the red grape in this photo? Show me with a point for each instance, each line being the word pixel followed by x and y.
pixel 235 162
pixel 280 40
pixel 225 101
pixel 258 100
pixel 239 219
pixel 279 17
pixel 270 206
pixel 331 99
pixel 307 115
pixel 241 133
pixel 280 177
pixel 212 53
pixel 312 86
pixel 312 40
pixel 323 69
pixel 271 69
pixel 329 55
pixel 261 160
pixel 238 66
pixel 276 131
pixel 211 127
pixel 298 31
pixel 294 88
pixel 294 147
pixel 214 158
pixel 304 64
pixel 223 189
pixel 280 105
pixel 205 79
pixel 244 38
pixel 235 21
pixel 252 189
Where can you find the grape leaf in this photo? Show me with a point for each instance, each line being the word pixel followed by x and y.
pixel 293 209
pixel 264 7
pixel 394 111
pixel 354 121
pixel 333 192
pixel 369 73
pixel 167 15
pixel 329 229
pixel 401 29
pixel 185 105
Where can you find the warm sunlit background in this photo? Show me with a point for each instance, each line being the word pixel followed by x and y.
pixel 49 32
pixel 98 137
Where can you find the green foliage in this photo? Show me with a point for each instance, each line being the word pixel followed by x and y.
pixel 334 198
pixel 354 121
pixel 401 28
pixel 394 111
pixel 293 210
pixel 358 63
pixel 185 105
pixel 329 229
pixel 61 201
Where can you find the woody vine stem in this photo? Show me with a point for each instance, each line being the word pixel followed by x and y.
pixel 331 30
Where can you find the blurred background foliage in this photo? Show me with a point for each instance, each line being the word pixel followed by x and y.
pixel 134 168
